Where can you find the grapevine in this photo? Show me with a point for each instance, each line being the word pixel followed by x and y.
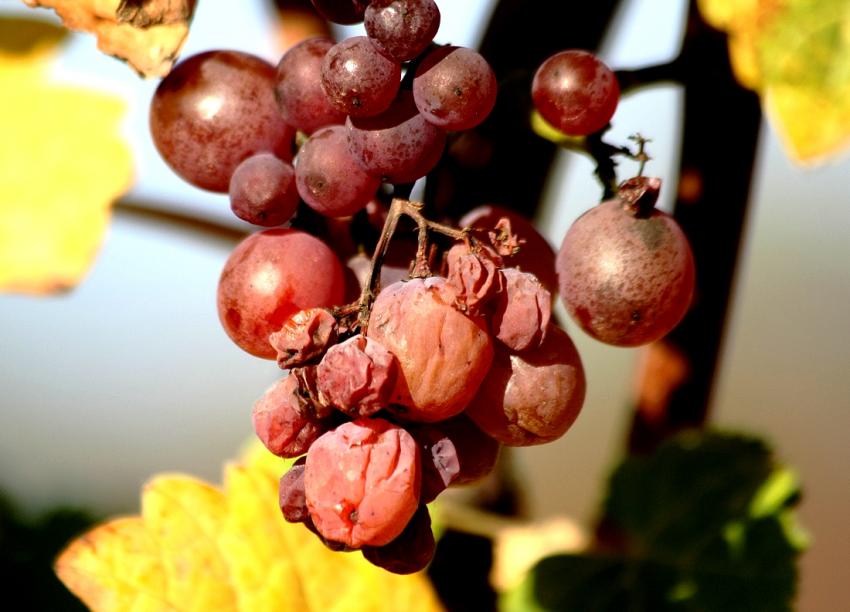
pixel 397 390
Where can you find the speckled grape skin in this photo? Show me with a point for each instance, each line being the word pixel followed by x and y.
pixel 262 190
pixel 214 110
pixel 575 92
pixel 329 178
pixel 531 397
pixel 402 29
pixel 443 355
pixel 398 145
pixel 270 276
pixel 357 79
pixel 298 90
pixel 454 88
pixel 625 280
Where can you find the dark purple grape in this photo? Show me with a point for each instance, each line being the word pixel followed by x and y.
pixel 214 110
pixel 398 145
pixel 440 462
pixel 411 551
pixel 328 176
pixel 575 92
pixel 402 29
pixel 454 88
pixel 346 12
pixel 357 79
pixel 293 502
pixel 262 190
pixel 300 97
pixel 626 278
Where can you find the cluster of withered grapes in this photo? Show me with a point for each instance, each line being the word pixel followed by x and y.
pixel 414 384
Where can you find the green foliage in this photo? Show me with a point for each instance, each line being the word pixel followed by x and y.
pixel 705 523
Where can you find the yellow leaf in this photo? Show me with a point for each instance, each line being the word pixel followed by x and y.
pixel 147 35
pixel 195 547
pixel 796 55
pixel 62 163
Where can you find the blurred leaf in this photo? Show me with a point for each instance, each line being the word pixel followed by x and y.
pixel 197 547
pixel 796 54
pixel 147 34
pixel 62 163
pixel 705 523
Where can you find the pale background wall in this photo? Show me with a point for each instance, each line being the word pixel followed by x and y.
pixel 130 374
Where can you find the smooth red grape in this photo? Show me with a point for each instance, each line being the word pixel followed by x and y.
pixel 402 29
pixel 454 88
pixel 575 92
pixel 357 79
pixel 262 190
pixel 270 276
pixel 212 111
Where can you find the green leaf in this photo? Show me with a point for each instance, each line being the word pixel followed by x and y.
pixel 703 524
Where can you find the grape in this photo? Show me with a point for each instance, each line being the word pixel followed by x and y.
pixel 535 255
pixel 298 90
pixel 285 426
pixel 268 277
pixel 362 482
pixel 411 551
pixel 262 190
pixel 329 178
pixel 291 497
pixel 304 337
pixel 474 276
pixel 345 12
pixel 575 92
pixel 531 397
pixel 402 29
pixel 454 88
pixel 443 354
pixel 626 280
pixel 357 79
pixel 522 310
pixel 398 145
pixel 357 376
pixel 212 111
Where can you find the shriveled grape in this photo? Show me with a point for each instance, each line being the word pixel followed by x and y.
pixel 531 397
pixel 521 311
pixel 474 275
pixel 362 482
pixel 264 282
pixel 443 354
pixel 291 497
pixel 305 336
pixel 282 423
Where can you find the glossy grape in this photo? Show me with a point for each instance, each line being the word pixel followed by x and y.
pixel 454 88
pixel 398 145
pixel 626 279
pixel 298 90
pixel 329 178
pixel 267 278
pixel 262 190
pixel 402 29
pixel 531 397
pixel 212 111
pixel 357 79
pixel 575 92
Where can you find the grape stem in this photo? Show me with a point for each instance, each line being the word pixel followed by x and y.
pixel 399 208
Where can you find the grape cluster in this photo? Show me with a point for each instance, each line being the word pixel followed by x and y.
pixel 402 382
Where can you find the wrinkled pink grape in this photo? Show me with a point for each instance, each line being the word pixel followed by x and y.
pixel 304 337
pixel 281 422
pixel 291 497
pixel 474 276
pixel 521 311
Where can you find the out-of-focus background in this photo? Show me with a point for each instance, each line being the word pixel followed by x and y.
pixel 131 374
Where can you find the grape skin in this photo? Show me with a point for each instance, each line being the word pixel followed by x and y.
pixel 402 29
pixel 357 79
pixel 575 92
pixel 411 551
pixel 626 280
pixel 531 397
pixel 264 282
pixel 281 424
pixel 362 482
pixel 212 111
pixel 454 88
pixel 328 176
pixel 398 145
pixel 291 497
pixel 262 190
pixel 443 354
pixel 298 89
